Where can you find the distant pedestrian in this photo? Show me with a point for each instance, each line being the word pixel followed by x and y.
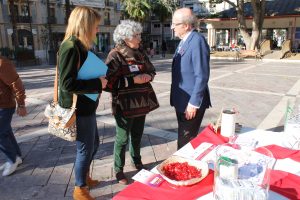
pixel 163 48
pixel 190 75
pixel 152 53
pixel 12 94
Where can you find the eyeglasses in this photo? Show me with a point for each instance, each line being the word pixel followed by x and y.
pixel 176 24
pixel 138 35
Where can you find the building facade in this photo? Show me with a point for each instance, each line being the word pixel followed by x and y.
pixel 281 22
pixel 34 18
pixel 159 31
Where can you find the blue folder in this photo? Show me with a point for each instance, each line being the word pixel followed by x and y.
pixel 93 67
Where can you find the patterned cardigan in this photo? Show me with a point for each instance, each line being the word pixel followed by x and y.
pixel 123 64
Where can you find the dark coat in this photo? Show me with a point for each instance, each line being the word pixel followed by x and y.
pixel 190 74
pixel 70 52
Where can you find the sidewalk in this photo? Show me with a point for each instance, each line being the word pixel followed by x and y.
pixel 47 170
pixel 259 90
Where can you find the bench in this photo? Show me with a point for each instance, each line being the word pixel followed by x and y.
pixel 247 53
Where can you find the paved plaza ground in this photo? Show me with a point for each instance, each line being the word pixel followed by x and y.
pixel 259 90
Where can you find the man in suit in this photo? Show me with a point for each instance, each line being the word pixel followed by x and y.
pixel 190 75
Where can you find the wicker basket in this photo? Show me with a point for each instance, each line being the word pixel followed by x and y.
pixel 196 163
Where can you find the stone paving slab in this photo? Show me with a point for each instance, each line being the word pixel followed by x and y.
pixel 258 89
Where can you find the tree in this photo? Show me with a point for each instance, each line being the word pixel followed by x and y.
pixel 258 7
pixel 169 5
pixel 137 10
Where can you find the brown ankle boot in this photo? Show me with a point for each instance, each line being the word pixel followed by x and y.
pixel 82 193
pixel 91 182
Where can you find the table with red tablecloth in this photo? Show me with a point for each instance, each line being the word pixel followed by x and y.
pixel 284 182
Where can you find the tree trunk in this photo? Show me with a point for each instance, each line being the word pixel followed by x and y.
pixel 68 10
pixel 30 25
pixel 15 37
pixel 162 32
pixel 51 46
pixel 258 7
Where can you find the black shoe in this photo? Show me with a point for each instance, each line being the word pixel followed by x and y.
pixel 121 178
pixel 140 166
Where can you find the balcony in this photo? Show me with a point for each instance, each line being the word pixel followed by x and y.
pixel 109 4
pixel 119 7
pixel 22 19
pixel 51 20
pixel 153 17
pixel 106 22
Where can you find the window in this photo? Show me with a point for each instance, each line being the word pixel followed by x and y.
pixel 156 25
pixel 167 25
pixel 106 18
pixel 103 42
pixel 52 12
pixel 24 10
pixel 222 37
pixel 297 34
pixel 16 11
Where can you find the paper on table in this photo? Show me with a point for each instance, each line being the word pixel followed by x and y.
pixel 93 67
pixel 148 178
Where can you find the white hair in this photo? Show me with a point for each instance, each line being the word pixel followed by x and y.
pixel 126 30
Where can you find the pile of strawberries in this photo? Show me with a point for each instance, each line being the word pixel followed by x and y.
pixel 181 171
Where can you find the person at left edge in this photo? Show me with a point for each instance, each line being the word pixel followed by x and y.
pixel 81 31
pixel 12 92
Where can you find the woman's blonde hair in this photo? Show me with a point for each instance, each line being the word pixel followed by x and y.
pixel 80 24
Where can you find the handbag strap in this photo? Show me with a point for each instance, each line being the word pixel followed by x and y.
pixel 55 96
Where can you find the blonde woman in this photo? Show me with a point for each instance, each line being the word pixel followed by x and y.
pixel 82 27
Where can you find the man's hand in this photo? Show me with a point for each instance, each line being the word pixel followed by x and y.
pixel 190 112
pixel 21 111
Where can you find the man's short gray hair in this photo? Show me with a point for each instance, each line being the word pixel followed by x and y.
pixel 186 16
pixel 126 30
pixel 192 20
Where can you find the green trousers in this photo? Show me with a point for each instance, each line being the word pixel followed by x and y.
pixel 128 130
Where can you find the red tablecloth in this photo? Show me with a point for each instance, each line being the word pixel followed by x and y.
pixel 282 182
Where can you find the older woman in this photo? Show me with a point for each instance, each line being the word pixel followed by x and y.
pixel 129 76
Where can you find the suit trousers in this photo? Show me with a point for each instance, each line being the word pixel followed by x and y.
pixel 188 129
pixel 128 130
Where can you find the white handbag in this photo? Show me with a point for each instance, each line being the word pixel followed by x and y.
pixel 62 121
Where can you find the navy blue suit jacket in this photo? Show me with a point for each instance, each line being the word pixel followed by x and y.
pixel 190 74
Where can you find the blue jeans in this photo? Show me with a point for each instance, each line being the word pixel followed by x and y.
pixel 8 143
pixel 87 144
